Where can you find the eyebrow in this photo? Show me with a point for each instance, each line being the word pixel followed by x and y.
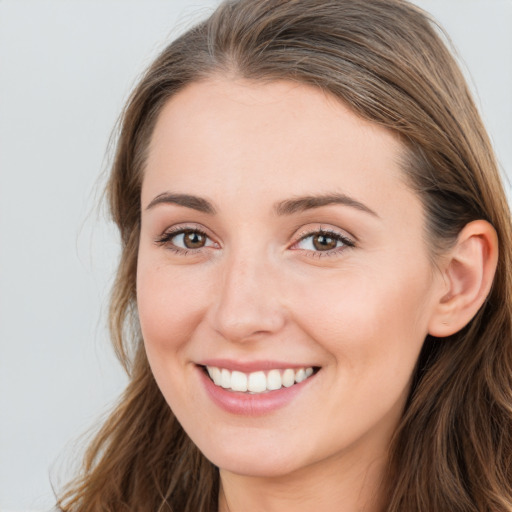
pixel 186 200
pixel 287 207
pixel 301 204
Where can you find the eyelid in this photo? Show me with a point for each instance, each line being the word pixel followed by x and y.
pixel 348 241
pixel 313 228
pixel 164 238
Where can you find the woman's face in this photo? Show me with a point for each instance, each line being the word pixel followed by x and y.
pixel 279 242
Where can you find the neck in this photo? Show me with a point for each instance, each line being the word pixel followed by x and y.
pixel 350 487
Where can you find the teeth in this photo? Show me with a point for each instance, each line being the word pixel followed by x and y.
pixel 274 380
pixel 238 381
pixel 300 375
pixel 215 374
pixel 225 378
pixel 288 378
pixel 258 382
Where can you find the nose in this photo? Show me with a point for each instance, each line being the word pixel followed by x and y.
pixel 248 304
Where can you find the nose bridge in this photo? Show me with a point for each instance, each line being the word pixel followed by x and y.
pixel 248 302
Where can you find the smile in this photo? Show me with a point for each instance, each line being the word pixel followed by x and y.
pixel 260 381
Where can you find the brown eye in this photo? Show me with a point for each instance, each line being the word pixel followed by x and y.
pixel 323 242
pixel 185 239
pixel 193 239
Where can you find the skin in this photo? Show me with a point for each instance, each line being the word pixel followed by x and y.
pixel 259 289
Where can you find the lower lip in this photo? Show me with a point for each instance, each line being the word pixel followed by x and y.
pixel 245 404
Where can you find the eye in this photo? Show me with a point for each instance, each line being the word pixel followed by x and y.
pixel 323 241
pixel 190 240
pixel 185 239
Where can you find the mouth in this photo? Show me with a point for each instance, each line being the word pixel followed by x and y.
pixel 258 382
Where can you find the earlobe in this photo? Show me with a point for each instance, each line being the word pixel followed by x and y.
pixel 468 273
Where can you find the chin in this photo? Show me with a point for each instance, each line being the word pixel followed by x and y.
pixel 255 467
pixel 253 460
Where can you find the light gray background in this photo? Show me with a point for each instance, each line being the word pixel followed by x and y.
pixel 66 68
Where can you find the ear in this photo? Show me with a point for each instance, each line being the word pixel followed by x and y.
pixel 468 272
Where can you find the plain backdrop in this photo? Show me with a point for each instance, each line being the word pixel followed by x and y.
pixel 66 68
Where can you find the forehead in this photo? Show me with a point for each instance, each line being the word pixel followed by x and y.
pixel 226 138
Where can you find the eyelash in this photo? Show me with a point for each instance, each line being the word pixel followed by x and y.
pixel 165 239
pixel 338 237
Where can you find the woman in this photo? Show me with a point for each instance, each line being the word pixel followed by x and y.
pixel 313 300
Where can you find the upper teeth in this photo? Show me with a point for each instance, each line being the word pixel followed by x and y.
pixel 258 382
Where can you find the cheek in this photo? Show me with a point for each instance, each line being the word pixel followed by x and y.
pixel 170 305
pixel 368 320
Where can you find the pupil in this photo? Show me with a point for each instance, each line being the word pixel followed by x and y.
pixel 324 243
pixel 193 240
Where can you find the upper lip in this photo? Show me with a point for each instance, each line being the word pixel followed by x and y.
pixel 252 366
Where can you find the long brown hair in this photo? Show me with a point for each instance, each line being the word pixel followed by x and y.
pixel 387 61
